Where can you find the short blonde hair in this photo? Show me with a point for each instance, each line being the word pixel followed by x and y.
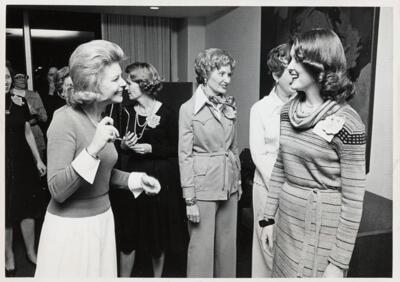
pixel 86 66
pixel 210 59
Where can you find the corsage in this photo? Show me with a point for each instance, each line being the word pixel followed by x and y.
pixel 153 120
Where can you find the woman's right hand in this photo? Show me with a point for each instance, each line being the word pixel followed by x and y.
pixel 266 238
pixel 105 133
pixel 193 213
pixel 129 141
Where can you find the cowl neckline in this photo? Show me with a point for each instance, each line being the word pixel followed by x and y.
pixel 299 121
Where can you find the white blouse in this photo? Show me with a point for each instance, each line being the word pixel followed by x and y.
pixel 264 136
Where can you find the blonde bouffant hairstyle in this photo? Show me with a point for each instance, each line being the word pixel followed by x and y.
pixel 86 66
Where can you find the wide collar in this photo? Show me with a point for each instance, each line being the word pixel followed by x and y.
pixel 200 100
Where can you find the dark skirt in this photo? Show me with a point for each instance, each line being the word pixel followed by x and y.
pixel 22 189
pixel 153 224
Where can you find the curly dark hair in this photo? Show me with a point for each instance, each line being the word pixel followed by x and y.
pixel 321 53
pixel 278 59
pixel 210 59
pixel 60 76
pixel 152 84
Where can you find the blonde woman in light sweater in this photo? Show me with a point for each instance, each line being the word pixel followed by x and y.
pixel 78 237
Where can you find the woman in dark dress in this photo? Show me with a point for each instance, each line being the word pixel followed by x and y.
pixel 22 177
pixel 153 224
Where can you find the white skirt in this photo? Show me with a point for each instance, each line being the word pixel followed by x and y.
pixel 77 247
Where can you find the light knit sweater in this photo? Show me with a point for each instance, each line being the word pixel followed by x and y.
pixel 70 132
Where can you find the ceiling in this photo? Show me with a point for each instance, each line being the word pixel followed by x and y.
pixel 164 11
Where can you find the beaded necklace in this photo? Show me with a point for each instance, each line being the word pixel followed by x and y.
pixel 143 126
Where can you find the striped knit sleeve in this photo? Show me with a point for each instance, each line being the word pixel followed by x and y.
pixel 277 177
pixel 275 184
pixel 350 146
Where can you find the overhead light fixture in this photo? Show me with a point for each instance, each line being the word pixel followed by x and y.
pixel 45 33
pixel 154 8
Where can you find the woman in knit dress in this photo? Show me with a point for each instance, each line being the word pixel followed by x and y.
pixel 318 182
pixel 78 236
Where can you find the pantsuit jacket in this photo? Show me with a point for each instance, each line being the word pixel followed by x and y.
pixel 208 152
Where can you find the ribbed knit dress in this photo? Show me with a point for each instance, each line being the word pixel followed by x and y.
pixel 317 190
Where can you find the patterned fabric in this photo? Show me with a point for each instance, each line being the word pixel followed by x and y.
pixel 328 108
pixel 317 189
pixel 227 105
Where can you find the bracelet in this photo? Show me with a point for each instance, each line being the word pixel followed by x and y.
pixel 263 223
pixel 191 201
pixel 94 157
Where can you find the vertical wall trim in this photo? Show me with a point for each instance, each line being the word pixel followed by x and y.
pixel 28 49
pixel 102 25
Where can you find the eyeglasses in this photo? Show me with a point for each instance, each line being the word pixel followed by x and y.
pixel 127 124
pixel 21 76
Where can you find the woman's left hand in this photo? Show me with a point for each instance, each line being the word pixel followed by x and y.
pixel 142 148
pixel 332 271
pixel 150 185
pixel 41 168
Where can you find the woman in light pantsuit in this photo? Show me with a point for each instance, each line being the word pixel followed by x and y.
pixel 209 166
pixel 264 145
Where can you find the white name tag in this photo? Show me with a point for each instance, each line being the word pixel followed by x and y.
pixel 328 127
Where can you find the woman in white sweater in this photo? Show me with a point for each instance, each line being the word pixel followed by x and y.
pixel 264 144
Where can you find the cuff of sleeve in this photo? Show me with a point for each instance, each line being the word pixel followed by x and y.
pixel 188 192
pixel 269 212
pixel 338 264
pixel 340 257
pixel 86 166
pixel 135 183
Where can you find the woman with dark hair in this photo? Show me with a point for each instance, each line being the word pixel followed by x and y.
pixel 22 163
pixel 264 145
pixel 152 224
pixel 48 92
pixel 210 167
pixel 78 236
pixel 318 182
pixel 63 82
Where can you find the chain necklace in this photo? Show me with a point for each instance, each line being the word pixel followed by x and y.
pixel 308 110
pixel 139 133
pixel 137 123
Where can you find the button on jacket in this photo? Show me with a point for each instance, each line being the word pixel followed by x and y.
pixel 208 152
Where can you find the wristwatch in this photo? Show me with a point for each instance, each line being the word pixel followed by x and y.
pixel 190 201
pixel 264 222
